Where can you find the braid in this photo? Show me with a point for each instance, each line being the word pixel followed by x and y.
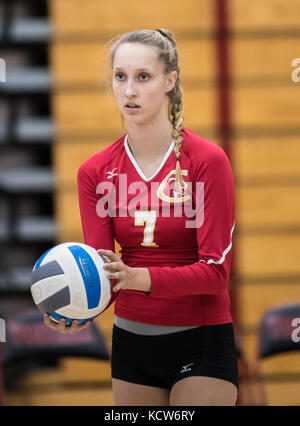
pixel 175 111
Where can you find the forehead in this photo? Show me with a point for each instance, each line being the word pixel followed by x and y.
pixel 136 55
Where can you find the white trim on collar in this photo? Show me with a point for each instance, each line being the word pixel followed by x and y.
pixel 137 167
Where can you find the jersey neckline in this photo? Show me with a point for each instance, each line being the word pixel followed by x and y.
pixel 137 167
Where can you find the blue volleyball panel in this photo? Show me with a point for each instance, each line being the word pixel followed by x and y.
pixel 89 275
pixel 39 261
pixel 58 317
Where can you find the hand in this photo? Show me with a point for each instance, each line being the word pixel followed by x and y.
pixel 61 327
pixel 128 278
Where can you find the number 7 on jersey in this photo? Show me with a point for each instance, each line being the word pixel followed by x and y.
pixel 147 219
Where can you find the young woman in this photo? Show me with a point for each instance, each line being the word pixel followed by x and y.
pixel 167 196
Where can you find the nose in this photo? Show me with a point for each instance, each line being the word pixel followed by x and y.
pixel 130 90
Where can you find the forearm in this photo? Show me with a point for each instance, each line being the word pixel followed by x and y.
pixel 195 279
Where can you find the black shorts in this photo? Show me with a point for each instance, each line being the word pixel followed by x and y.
pixel 163 360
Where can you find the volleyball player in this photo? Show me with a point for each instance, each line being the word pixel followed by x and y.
pixel 173 339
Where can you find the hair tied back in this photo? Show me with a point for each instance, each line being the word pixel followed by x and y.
pixel 166 35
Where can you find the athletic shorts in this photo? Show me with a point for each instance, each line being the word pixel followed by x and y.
pixel 163 360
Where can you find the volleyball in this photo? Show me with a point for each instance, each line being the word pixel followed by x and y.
pixel 68 281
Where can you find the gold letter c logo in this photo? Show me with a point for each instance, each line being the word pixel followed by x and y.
pixel 162 196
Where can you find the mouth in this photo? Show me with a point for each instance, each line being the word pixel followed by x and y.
pixel 131 105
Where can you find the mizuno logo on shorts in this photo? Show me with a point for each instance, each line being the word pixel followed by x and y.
pixel 186 368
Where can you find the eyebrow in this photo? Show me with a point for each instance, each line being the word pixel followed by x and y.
pixel 139 69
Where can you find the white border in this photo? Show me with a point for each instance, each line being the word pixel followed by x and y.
pixel 137 167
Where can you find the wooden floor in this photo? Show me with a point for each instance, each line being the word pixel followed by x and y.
pixel 75 382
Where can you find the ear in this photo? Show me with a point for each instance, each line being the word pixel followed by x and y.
pixel 171 80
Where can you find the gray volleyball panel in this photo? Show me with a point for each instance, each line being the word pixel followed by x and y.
pixel 56 301
pixel 50 269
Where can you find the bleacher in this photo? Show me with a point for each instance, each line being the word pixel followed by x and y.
pixel 27 179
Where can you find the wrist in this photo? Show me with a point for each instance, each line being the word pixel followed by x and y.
pixel 143 281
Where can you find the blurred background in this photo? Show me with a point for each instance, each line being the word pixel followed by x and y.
pixel 241 86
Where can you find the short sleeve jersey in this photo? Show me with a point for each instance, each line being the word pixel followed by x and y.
pixel 184 239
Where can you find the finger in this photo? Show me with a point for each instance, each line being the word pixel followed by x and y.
pixel 73 325
pixel 46 319
pixel 76 327
pixel 117 288
pixel 104 256
pixel 85 325
pixel 113 266
pixel 115 275
pixel 110 254
pixel 62 325
pixel 49 323
pixel 104 252
pixel 72 328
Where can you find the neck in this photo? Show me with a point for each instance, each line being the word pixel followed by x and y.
pixel 149 141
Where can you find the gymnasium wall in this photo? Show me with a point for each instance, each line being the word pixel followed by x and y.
pixel 265 155
pixel 261 41
pixel 260 132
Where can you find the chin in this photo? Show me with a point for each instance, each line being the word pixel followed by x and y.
pixel 141 121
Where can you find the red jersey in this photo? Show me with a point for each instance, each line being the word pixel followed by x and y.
pixel 184 240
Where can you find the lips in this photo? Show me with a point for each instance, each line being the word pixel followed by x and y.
pixel 132 105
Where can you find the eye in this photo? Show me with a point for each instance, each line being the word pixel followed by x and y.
pixel 119 76
pixel 144 76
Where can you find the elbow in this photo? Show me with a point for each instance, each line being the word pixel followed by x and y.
pixel 220 279
pixel 223 285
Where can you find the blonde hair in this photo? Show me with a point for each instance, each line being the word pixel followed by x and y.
pixel 164 41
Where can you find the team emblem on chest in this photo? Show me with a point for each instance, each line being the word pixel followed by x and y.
pixel 163 196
